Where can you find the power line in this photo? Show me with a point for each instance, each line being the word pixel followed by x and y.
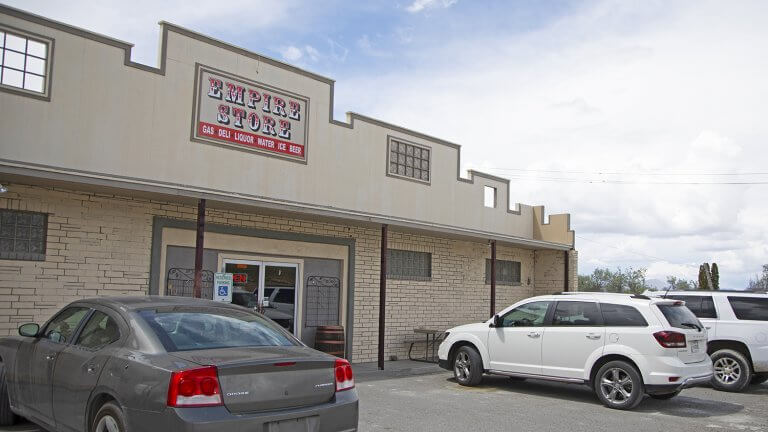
pixel 635 173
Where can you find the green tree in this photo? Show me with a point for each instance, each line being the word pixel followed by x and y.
pixel 704 277
pixel 715 277
pixel 760 283
pixel 675 284
pixel 621 280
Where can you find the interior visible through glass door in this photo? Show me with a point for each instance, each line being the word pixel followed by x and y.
pixel 280 292
pixel 245 281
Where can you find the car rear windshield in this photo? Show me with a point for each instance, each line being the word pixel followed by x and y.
pixel 749 308
pixel 679 316
pixel 185 328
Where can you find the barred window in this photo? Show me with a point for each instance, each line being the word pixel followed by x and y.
pixel 409 160
pixel 24 62
pixel 22 235
pixel 409 265
pixel 507 272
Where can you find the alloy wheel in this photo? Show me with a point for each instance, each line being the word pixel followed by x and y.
pixel 107 424
pixel 462 366
pixel 727 370
pixel 616 385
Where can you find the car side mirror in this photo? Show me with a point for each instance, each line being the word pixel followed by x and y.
pixel 496 321
pixel 29 330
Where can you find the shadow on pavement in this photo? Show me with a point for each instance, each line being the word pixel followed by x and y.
pixel 680 406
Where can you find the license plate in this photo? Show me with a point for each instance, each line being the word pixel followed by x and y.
pixel 695 347
pixel 303 424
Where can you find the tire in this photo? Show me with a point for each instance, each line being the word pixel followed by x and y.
pixel 618 385
pixel 468 366
pixel 665 396
pixel 7 417
pixel 759 378
pixel 732 371
pixel 109 414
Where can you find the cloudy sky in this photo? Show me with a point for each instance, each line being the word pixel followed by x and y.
pixel 646 120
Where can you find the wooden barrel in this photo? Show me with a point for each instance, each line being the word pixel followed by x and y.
pixel 330 339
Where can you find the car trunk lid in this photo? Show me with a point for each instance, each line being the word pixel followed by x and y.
pixel 256 379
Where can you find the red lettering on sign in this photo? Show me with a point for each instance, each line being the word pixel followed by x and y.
pixel 247 139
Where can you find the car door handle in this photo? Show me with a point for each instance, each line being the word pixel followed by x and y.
pixel 709 327
pixel 50 357
pixel 91 369
pixel 534 335
pixel 593 336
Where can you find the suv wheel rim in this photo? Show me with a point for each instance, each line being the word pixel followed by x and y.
pixel 461 366
pixel 727 370
pixel 107 424
pixel 616 385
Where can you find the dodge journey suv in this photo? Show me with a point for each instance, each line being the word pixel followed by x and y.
pixel 623 346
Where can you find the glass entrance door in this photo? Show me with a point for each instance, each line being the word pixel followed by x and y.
pixel 272 285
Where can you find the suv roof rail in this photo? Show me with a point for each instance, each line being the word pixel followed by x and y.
pixel 715 291
pixel 641 297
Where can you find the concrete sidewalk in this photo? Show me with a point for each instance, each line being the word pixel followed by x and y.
pixel 393 369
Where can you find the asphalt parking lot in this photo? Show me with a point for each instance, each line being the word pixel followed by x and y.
pixel 436 403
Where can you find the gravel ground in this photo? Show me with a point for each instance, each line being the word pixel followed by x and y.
pixel 436 403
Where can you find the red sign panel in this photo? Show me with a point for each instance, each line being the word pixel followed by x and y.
pixel 251 140
pixel 240 278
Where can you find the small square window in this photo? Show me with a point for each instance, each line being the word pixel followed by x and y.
pixel 24 62
pixel 22 235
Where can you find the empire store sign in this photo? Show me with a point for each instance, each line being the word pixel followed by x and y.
pixel 248 115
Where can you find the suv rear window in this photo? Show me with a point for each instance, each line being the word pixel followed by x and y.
pixel 679 316
pixel 750 308
pixel 196 328
pixel 701 305
pixel 616 315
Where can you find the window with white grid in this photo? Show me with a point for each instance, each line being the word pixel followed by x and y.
pixel 24 62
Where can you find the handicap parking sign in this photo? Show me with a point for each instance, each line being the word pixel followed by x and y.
pixel 223 284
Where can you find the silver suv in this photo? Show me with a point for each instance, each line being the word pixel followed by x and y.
pixel 737 329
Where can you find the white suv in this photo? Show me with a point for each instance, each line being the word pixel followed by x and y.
pixel 737 326
pixel 622 346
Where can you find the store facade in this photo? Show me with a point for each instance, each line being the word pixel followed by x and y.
pixel 106 163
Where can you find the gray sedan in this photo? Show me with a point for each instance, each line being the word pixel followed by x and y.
pixel 174 364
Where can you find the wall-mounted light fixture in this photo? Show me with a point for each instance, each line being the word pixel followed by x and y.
pixel 3 189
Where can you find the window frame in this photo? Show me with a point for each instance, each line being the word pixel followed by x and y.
pixel 392 276
pixel 700 302
pixel 390 140
pixel 742 298
pixel 600 321
pixel 78 327
pixel 499 281
pixel 27 256
pixel 48 74
pixel 547 315
pixel 640 314
pixel 84 323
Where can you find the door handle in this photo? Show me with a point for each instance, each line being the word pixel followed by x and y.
pixel 534 335
pixel 593 336
pixel 91 369
pixel 50 357
pixel 709 327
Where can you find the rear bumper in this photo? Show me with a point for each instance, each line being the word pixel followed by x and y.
pixel 670 370
pixel 338 415
pixel 671 388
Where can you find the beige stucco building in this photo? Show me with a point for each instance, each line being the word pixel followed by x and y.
pixel 105 162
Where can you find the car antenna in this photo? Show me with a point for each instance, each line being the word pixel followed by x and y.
pixel 667 291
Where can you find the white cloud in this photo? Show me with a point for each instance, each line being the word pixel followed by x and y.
pixel 366 46
pixel 137 24
pixel 291 53
pixel 420 5
pixel 644 87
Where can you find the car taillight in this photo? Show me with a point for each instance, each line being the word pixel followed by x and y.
pixel 345 379
pixel 670 339
pixel 195 388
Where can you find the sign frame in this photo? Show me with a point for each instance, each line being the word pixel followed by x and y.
pixel 197 96
pixel 222 280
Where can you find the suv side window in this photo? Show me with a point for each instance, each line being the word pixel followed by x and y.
pixel 750 308
pixel 701 305
pixel 100 331
pixel 61 328
pixel 527 315
pixel 616 315
pixel 577 313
